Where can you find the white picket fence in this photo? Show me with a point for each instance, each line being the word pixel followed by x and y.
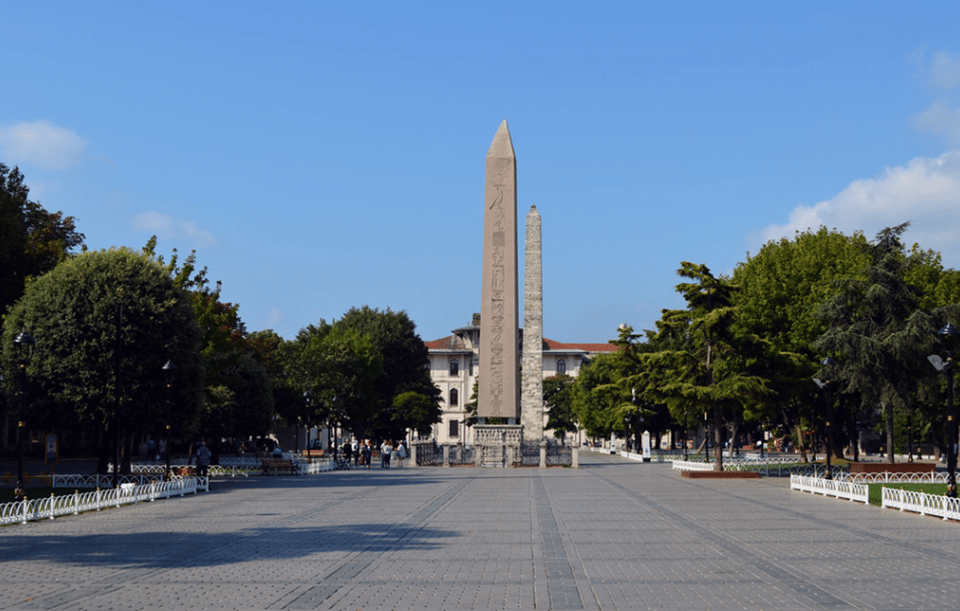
pixel 831 487
pixel 919 502
pixel 214 470
pixel 233 467
pixel 780 466
pixel 73 504
pixel 895 478
pixel 684 465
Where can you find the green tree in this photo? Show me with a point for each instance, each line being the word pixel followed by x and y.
pixel 712 371
pixel 558 399
pixel 405 360
pixel 416 408
pixel 229 361
pixel 32 240
pixel 595 397
pixel 878 333
pixel 340 367
pixel 74 312
pixel 778 293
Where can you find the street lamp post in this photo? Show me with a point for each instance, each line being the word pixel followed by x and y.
pixel 828 364
pixel 706 438
pixel 23 344
pixel 307 398
pixel 948 336
pixel 626 431
pixel 169 370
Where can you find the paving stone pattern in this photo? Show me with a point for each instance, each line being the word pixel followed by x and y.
pixel 612 535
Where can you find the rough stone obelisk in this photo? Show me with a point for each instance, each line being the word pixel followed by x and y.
pixel 531 400
pixel 498 393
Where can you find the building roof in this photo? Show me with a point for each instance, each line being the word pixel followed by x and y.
pixel 450 342
pixel 549 344
pixel 455 343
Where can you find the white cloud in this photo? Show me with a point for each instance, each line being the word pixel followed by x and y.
pixel 925 192
pixel 165 226
pixel 41 143
pixel 945 70
pixel 940 119
pixel 275 317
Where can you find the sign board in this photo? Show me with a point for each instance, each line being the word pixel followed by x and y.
pixel 50 453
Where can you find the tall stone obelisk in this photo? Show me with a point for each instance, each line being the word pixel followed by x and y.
pixel 498 393
pixel 531 400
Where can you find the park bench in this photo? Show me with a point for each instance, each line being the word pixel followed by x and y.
pixel 274 466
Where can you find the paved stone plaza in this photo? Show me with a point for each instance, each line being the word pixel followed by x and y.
pixel 612 535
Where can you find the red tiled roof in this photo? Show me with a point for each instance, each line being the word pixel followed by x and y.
pixel 451 342
pixel 438 344
pixel 550 344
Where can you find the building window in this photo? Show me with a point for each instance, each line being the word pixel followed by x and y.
pixel 454 397
pixel 454 428
pixel 454 367
pixel 561 367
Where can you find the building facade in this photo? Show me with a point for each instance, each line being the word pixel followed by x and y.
pixel 455 365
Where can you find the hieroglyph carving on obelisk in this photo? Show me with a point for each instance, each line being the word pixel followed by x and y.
pixel 531 399
pixel 498 394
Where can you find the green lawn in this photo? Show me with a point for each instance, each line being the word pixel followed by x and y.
pixel 876 495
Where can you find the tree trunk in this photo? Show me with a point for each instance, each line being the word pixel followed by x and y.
pixel 103 451
pixel 125 452
pixel 853 433
pixel 717 438
pixel 889 412
pixel 801 443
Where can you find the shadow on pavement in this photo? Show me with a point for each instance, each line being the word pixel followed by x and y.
pixel 169 550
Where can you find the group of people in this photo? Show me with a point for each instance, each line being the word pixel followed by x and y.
pixel 362 453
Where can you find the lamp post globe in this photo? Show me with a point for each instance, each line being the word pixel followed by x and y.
pixel 23 344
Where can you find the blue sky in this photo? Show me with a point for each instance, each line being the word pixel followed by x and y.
pixel 322 155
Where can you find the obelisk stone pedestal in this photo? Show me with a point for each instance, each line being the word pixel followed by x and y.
pixel 498 445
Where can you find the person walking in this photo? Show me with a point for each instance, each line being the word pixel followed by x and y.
pixel 385 450
pixel 400 453
pixel 367 453
pixel 203 459
pixel 356 453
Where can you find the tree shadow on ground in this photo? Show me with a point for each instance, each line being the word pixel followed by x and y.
pixel 272 542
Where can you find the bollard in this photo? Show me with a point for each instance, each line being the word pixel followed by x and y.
pixel 446 456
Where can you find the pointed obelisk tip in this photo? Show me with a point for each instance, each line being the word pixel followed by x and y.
pixel 533 210
pixel 502 145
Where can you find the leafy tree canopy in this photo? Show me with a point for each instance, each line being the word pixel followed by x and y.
pixel 32 240
pixel 73 312
pixel 340 367
pixel 405 360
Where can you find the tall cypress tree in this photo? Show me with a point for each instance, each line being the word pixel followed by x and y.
pixel 878 333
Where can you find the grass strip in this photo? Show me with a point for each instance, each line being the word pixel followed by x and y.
pixel 876 490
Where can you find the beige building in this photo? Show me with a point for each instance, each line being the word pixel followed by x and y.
pixel 455 365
